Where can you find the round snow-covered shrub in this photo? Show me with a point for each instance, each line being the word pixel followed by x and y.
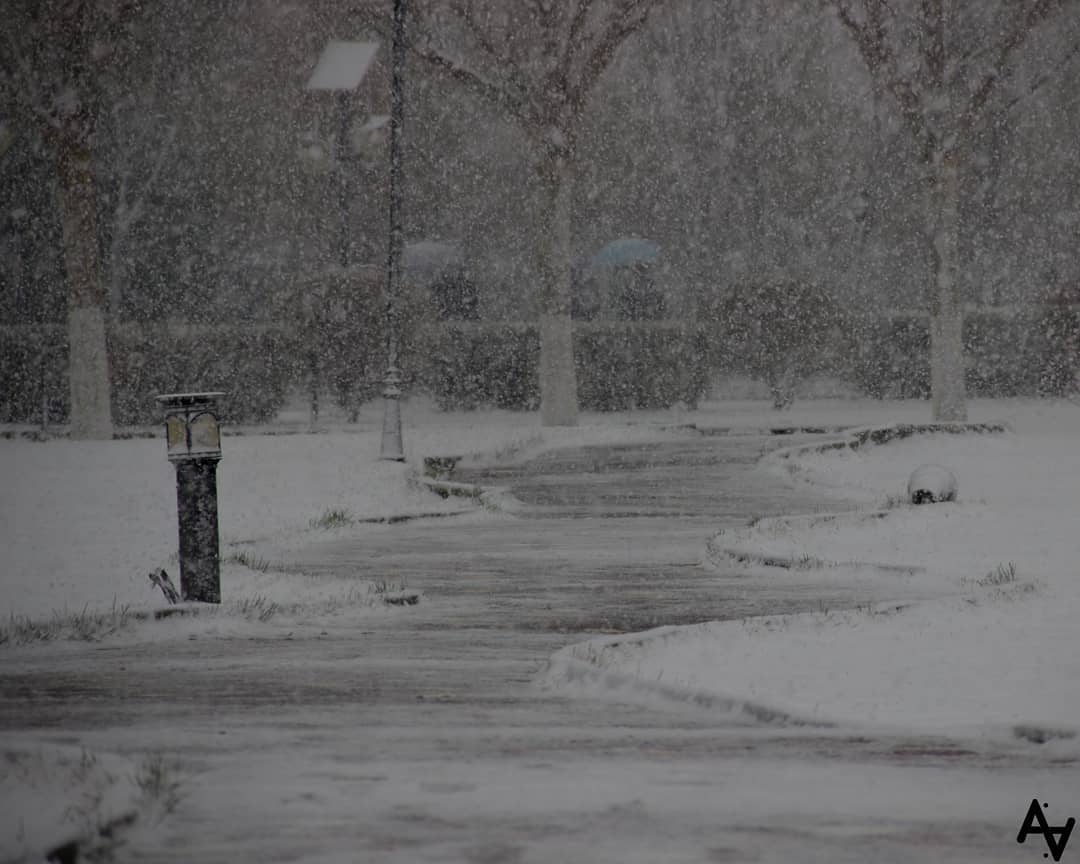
pixel 931 483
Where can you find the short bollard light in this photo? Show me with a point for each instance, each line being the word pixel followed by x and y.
pixel 194 442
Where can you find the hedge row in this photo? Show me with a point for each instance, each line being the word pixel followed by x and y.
pixel 1034 354
pixel 618 367
pixel 462 367
pixel 255 367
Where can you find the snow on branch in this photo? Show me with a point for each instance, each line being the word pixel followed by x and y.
pixel 870 37
pixel 628 16
pixel 508 94
pixel 497 94
pixel 466 12
pixel 132 204
pixel 916 95
pixel 1032 17
pixel 567 45
pixel 1041 80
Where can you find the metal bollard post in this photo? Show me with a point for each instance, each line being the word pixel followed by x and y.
pixel 194 443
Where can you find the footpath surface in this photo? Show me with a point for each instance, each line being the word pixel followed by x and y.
pixel 419 735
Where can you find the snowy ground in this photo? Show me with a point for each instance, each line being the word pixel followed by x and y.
pixel 994 654
pixel 69 506
pixel 83 523
pixel 54 795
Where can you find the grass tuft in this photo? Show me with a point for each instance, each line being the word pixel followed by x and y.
pixel 384 586
pixel 249 560
pixel 1002 583
pixel 335 517
pixel 256 608
pixel 1003 574
pixel 84 626
pixel 159 786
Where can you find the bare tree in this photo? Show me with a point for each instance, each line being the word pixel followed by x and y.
pixel 81 77
pixel 132 182
pixel 49 63
pixel 942 62
pixel 537 62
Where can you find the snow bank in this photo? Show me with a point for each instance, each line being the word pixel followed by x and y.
pixel 994 655
pixel 51 796
pixel 84 522
pixel 961 663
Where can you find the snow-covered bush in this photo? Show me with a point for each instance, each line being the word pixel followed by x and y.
pixel 782 333
pixel 931 483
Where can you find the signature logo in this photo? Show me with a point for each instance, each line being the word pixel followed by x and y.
pixel 1035 823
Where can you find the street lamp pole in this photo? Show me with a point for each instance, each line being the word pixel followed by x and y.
pixel 343 175
pixel 392 449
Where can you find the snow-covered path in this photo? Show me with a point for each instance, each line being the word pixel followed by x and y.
pixel 417 736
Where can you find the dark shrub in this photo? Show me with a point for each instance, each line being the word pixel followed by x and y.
pixel 892 357
pixel 33 373
pixel 1056 340
pixel 782 333
pixel 253 365
pixel 619 366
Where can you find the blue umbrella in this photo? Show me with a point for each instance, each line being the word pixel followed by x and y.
pixel 624 252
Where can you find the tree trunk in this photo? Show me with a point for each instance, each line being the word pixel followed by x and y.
pixel 947 397
pixel 558 381
pixel 91 414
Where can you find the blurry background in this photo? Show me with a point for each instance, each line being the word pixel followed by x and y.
pixel 760 192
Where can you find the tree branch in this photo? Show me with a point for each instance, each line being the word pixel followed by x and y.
pixel 573 38
pixel 1042 80
pixel 136 210
pixel 465 10
pixel 630 17
pixel 497 95
pixel 423 47
pixel 932 21
pixel 871 41
pixel 1034 16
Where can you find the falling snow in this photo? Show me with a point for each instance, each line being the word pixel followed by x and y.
pixel 607 259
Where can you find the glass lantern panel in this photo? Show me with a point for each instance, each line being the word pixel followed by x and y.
pixel 176 433
pixel 205 433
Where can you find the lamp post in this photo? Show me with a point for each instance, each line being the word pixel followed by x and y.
pixel 392 449
pixel 193 435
